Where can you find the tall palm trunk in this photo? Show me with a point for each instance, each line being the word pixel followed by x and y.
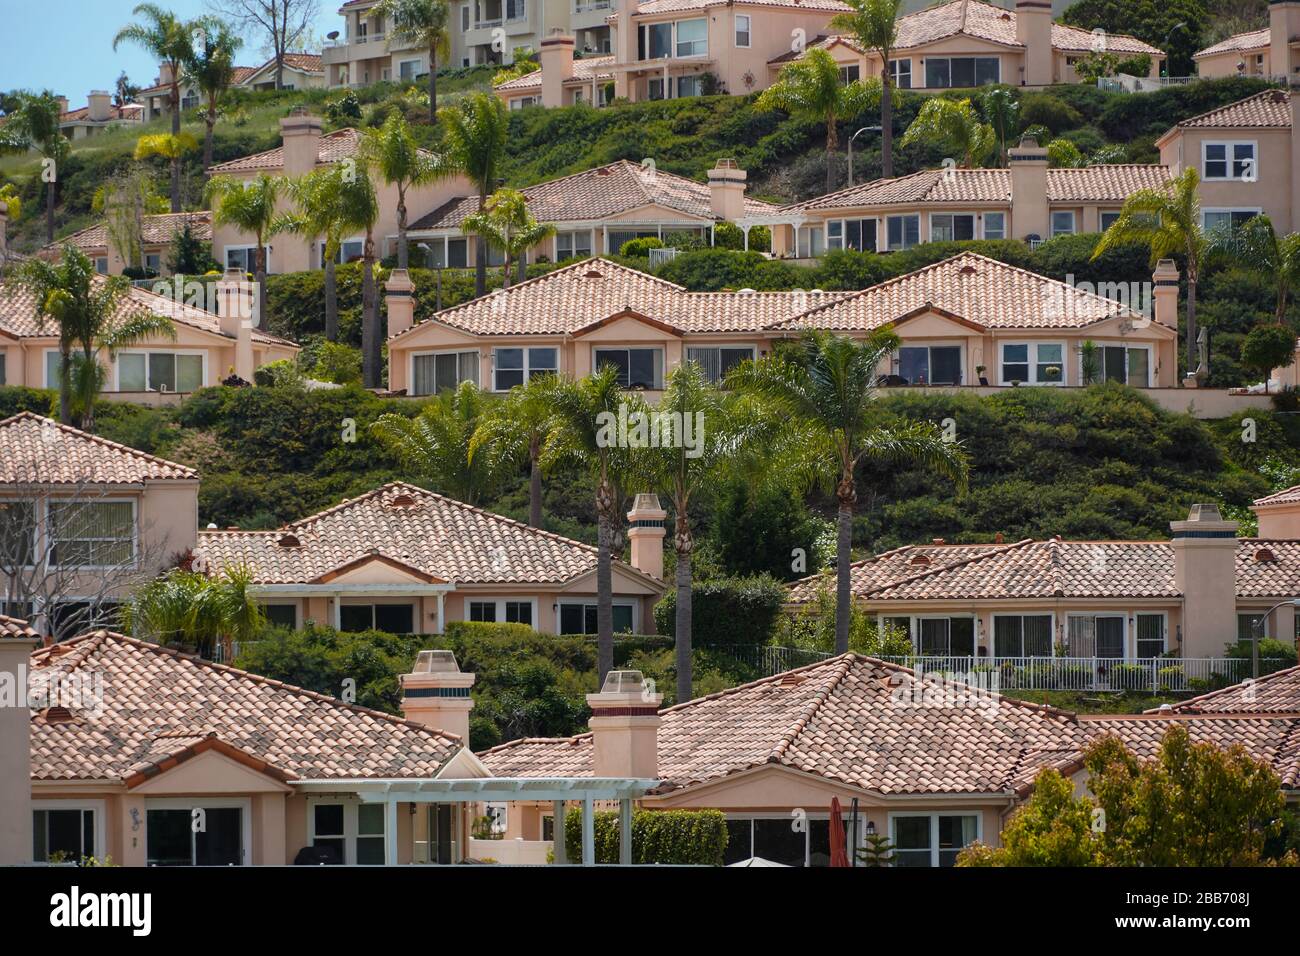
pixel 259 314
pixel 401 227
pixel 433 84
pixel 207 135
pixel 604 578
pixel 480 255
pixel 886 120
pixel 370 344
pixel 331 301
pixel 65 383
pixel 832 140
pixel 535 482
pixel 87 389
pixel 684 544
pixel 1191 322
pixel 49 210
pixel 847 495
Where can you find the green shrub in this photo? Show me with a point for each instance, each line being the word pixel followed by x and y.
pixel 1274 655
pixel 639 248
pixel 1130 676
pixel 676 837
pixel 1047 110
pixel 726 611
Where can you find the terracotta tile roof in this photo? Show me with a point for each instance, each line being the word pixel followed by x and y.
pixel 1287 496
pixel 1045 570
pixel 1276 693
pixel 1270 109
pixel 434 536
pixel 155 230
pixel 997 25
pixel 340 144
pixel 129 112
pixel 36 450
pixel 19 316
pixel 160 705
pixel 307 62
pixel 599 193
pixel 973 289
pixel 1253 41
pixel 1106 183
pixel 673 6
pixel 585 70
pixel 575 297
pixel 850 719
pixel 13 627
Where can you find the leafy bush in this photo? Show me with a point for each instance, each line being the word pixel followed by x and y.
pixel 1044 109
pixel 726 611
pixel 680 837
pixel 639 248
pixel 1274 655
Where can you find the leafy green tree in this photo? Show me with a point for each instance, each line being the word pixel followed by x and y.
pixel 395 157
pixel 32 123
pixel 171 147
pixel 1052 828
pixel 1002 110
pixel 192 608
pixel 1175 26
pixel 810 89
pixel 124 200
pixel 506 223
pixel 520 429
pixel 213 70
pixel 423 24
pixel 874 24
pixel 1256 245
pixel 474 136
pixel 953 125
pixel 1268 347
pixel 189 255
pixel 827 390
pixel 251 207
pixel 1063 154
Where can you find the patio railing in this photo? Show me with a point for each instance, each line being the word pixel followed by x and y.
pixel 1154 675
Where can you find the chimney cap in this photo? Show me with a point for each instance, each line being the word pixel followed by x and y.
pixel 436 662
pixel 1207 511
pixel 623 682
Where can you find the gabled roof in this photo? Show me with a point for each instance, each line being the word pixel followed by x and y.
pixel 1287 496
pixel 674 6
pixel 127 112
pixel 405 525
pixel 340 144
pixel 998 25
pixel 40 451
pixel 156 229
pixel 304 62
pixel 160 706
pixel 599 193
pixel 1270 109
pixel 1276 693
pixel 975 288
pixel 840 719
pixel 1250 42
pixel 585 70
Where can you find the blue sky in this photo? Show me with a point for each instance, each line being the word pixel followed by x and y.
pixel 67 45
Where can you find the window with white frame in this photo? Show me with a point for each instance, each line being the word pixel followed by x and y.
pixel 1022 635
pixel 742 30
pixel 53 364
pixel 995 225
pixel 859 234
pixel 900 72
pixel 1126 364
pixel 692 37
pixel 514 366
pixel 1229 220
pixel 464 19
pixel 931 839
pixel 101 265
pixel 717 360
pixel 506 610
pixel 1251 626
pixel 688 86
pixel 930 364
pixel 810 241
pixel 1063 223
pixel 523 102
pixel 573 245
pixel 850 74
pixel 654 41
pixel 244 258
pixel 409 69
pixel 637 367
pixel 1095 635
pixel 1150 635
pixel 153 262
pixel 961 71
pixel 945 636
pixel 354 831
pixel 577 617
pixel 1032 363
pixel 64 831
pixel 159 371
pixel 1230 160
pixel 435 372
pixel 350 250
pixel 952 227
pixel 172 839
pixel 771 838
pixel 1108 218
pixel 903 232
pixel 92 534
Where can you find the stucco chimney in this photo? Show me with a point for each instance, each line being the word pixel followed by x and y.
pixel 1283 29
pixel 164 74
pixel 646 534
pixel 1165 293
pixel 1034 32
pixel 1205 560
pixel 556 61
pixel 727 190
pixel 236 314
pixel 436 694
pixel 17 641
pixel 63 103
pixel 300 133
pixel 100 106
pixel 401 301
pixel 1029 210
pixel 625 727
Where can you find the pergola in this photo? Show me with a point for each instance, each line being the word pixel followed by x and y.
pixel 559 790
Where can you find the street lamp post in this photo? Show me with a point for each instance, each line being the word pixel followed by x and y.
pixel 1257 634
pixel 865 129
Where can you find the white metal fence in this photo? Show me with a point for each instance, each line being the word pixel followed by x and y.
pixel 1155 675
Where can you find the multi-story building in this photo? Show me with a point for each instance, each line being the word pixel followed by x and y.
pixel 1271 52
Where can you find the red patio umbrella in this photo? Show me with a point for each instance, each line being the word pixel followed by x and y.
pixel 839 855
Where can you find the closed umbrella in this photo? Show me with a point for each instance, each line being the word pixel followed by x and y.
pixel 839 855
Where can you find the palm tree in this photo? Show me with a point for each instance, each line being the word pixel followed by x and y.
pixel 810 89
pixel 1256 246
pixel 359 206
pixel 322 206
pixel 1002 110
pixel 250 207
pixel 91 316
pixel 170 146
pixel 169 40
pixel 435 444
pixel 190 608
pixel 1168 221
pixel 874 24
pixel 213 72
pixel 421 23
pixel 955 126
pixel 33 124
pixel 827 392
pixel 474 136
pixel 520 428
pixel 506 224
pixel 583 409
pixel 392 152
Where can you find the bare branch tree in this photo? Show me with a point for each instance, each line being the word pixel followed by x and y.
pixel 282 24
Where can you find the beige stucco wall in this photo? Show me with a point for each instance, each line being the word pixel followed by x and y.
pixel 1273 192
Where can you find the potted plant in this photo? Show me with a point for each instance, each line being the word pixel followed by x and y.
pixel 979 370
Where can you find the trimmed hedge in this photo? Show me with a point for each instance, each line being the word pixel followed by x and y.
pixel 726 611
pixel 683 837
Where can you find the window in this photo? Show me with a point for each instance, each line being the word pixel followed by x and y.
pixel 95 534
pixel 390 618
pixel 901 72
pixel 18 533
pixel 1217 220
pixel 2 369
pixel 930 364
pixel 810 241
pixel 859 234
pixel 615 238
pixel 281 615
pixel 1230 161
pixel 173 840
pixel 66 835
pixel 53 364
pixel 244 258
pixel 717 361
pixel 1150 635
pixel 581 618
pixel 775 840
pixel 693 37
pixel 510 611
pixel 995 225
pixel 464 19
pixel 688 86
pixel 1095 635
pixel 101 265
pixel 637 368
pixel 159 372
pixel 523 102
pixel 354 832
pixel 516 9
pixel 514 366
pixel 438 371
pixel 932 839
pixel 1034 363
pixel 962 71
pixel 950 227
pixel 904 232
pixel 483 611
pixel 655 41
pixel 153 262
pixel 1062 223
pixel 1127 364
pixel 1251 627
pixel 350 250
pixel 742 30
pixel 457 253
pixel 1108 219
pixel 946 636
pixel 850 74
pixel 573 245
pixel 1022 635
